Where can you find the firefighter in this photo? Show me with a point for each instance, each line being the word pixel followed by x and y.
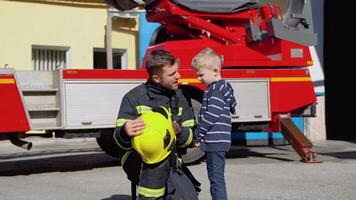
pixel 161 89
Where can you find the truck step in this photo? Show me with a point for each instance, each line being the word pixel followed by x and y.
pixel 45 126
pixel 42 107
pixel 42 96
pixel 38 88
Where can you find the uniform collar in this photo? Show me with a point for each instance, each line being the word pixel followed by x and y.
pixel 154 91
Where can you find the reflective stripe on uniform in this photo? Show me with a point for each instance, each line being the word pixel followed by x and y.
pixel 149 192
pixel 124 157
pixel 189 123
pixel 121 121
pixel 118 143
pixel 180 111
pixel 190 138
pixel 142 108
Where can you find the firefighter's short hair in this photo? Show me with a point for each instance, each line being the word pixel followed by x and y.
pixel 207 58
pixel 157 60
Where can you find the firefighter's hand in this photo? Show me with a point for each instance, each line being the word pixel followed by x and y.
pixel 176 127
pixel 134 127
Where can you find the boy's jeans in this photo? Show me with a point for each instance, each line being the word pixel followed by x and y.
pixel 215 162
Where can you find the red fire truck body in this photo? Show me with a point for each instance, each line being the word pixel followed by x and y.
pixel 265 56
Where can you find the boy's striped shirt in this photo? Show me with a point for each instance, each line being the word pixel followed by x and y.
pixel 214 120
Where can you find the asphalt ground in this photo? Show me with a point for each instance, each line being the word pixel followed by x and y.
pixel 77 169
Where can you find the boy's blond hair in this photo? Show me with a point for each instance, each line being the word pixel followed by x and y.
pixel 207 58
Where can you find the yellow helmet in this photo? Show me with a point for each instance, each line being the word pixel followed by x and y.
pixel 158 138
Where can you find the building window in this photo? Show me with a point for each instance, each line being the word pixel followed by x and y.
pixel 46 58
pixel 119 58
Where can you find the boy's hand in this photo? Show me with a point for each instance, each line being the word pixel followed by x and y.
pixel 196 144
pixel 176 127
pixel 134 127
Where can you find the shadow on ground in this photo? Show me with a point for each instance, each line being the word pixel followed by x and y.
pixel 247 152
pixel 118 197
pixel 332 149
pixel 87 159
pixel 57 163
pixel 341 155
pixel 340 149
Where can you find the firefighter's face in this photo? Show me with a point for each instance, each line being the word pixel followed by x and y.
pixel 168 77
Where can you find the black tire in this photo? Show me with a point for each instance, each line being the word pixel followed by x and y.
pixel 108 145
pixel 193 156
pixel 194 96
pixel 158 36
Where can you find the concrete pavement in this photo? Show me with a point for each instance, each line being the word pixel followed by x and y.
pixel 252 173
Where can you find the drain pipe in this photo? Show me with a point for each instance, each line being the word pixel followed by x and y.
pixel 15 140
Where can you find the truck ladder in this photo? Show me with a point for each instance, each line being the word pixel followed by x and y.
pixel 300 143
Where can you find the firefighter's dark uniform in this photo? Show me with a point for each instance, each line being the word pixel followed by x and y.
pixel 153 178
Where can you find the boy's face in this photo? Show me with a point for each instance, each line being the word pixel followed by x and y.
pixel 168 77
pixel 207 76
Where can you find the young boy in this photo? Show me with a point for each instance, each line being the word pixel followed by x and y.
pixel 213 133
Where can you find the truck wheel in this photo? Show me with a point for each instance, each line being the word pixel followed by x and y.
pixel 194 97
pixel 159 35
pixel 193 156
pixel 107 144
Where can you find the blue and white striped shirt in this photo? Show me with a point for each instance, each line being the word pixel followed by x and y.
pixel 214 120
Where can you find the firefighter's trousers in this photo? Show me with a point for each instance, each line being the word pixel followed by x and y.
pixel 153 180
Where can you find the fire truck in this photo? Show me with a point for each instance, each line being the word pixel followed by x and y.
pixel 264 51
